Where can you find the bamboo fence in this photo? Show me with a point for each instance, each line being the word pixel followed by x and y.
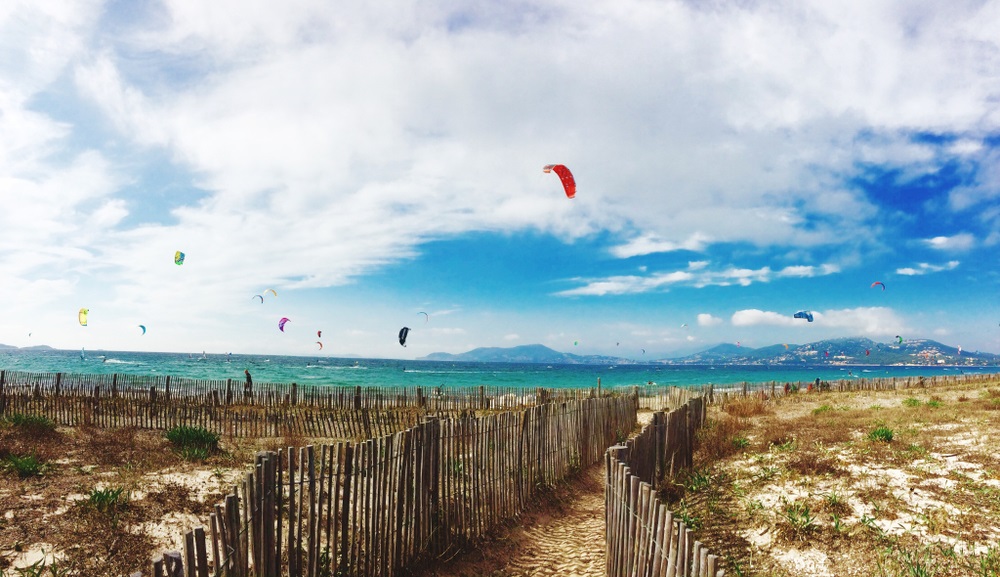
pixel 385 505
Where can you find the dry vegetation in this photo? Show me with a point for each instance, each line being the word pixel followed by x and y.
pixel 889 483
pixel 88 501
pixel 903 483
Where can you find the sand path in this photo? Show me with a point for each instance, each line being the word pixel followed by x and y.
pixel 564 536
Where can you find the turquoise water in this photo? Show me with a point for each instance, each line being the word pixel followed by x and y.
pixel 326 371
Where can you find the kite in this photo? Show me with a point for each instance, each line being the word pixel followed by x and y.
pixel 959 349
pixel 643 351
pixel 804 315
pixel 269 291
pixel 143 327
pixel 786 347
pixel 427 317
pixel 319 334
pixel 178 258
pixel 403 332
pixel 261 297
pixel 900 339
pixel 874 284
pixel 868 352
pixel 569 185
pixel 82 316
pixel 684 326
pixel 281 323
pixel 320 345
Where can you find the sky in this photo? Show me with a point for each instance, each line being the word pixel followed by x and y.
pixel 735 162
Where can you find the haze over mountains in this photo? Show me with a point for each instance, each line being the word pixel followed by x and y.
pixel 844 351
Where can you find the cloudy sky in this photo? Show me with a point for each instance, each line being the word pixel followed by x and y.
pixel 735 161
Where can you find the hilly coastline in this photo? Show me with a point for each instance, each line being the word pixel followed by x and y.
pixel 844 351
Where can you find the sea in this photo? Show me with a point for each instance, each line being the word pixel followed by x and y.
pixel 340 372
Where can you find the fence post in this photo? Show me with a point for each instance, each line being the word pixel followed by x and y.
pixel 345 512
pixel 295 394
pixel 173 563
pixel 357 398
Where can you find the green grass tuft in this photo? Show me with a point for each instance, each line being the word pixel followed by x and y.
pixel 25 466
pixel 109 500
pixel 881 433
pixel 193 443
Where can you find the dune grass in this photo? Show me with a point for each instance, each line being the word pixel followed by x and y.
pixel 896 483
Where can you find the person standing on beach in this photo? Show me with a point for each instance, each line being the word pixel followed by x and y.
pixel 248 388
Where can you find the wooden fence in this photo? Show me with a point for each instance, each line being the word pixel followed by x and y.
pixel 237 392
pixel 267 411
pixel 383 505
pixel 643 538
pixel 773 389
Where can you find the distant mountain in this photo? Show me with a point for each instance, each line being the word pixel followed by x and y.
pixel 521 354
pixel 34 348
pixel 845 351
pixel 3 346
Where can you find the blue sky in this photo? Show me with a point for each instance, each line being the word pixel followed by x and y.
pixel 734 164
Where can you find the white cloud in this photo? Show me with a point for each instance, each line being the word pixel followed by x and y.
pixel 619 285
pixel 650 243
pixel 870 321
pixel 924 268
pixel 959 242
pixel 707 320
pixel 697 275
pixel 753 317
pixel 965 146
pixel 512 337
pixel 805 271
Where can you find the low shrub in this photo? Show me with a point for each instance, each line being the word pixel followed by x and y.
pixel 881 433
pixel 36 422
pixel 25 466
pixel 813 463
pixel 108 500
pixel 744 407
pixel 193 443
pixel 716 439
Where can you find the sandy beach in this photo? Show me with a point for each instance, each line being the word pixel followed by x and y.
pixel 854 483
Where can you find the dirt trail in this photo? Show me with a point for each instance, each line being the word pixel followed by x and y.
pixel 564 536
